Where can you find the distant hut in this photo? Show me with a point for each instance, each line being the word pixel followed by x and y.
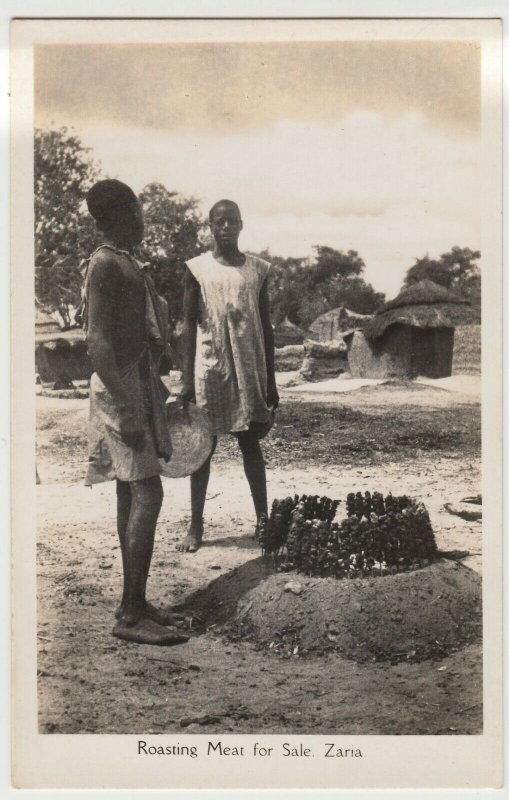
pixel 44 323
pixel 466 359
pixel 60 356
pixel 330 326
pixel 288 333
pixel 412 335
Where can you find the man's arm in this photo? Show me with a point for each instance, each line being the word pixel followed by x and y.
pixel 101 297
pixel 268 338
pixel 188 336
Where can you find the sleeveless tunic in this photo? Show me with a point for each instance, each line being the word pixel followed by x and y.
pixel 230 367
pixel 137 359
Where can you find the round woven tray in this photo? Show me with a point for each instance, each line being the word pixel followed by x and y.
pixel 191 439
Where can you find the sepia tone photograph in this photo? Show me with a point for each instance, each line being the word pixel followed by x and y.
pixel 258 277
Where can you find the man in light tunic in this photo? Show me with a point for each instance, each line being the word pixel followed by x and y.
pixel 228 355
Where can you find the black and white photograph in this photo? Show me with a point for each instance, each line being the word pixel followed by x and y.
pixel 259 265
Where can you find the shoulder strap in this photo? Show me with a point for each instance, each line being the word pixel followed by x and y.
pixel 113 250
pixel 262 267
pixel 195 266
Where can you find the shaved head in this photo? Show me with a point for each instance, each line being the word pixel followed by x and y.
pixel 117 211
pixel 221 204
pixel 109 198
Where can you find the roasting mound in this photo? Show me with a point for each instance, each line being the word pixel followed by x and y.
pixel 410 616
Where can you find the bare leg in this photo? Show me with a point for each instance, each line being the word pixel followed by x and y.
pixel 199 484
pixel 123 510
pixel 254 467
pixel 138 541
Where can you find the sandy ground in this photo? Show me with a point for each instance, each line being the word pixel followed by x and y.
pixel 409 439
pixel 465 384
pixel 335 385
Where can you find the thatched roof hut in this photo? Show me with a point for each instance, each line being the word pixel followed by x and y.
pixel 59 355
pixel 424 305
pixel 412 335
pixel 288 333
pixel 47 328
pixel 330 326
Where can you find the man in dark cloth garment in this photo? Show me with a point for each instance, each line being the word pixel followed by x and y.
pixel 125 323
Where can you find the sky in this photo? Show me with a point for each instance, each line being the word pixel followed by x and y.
pixel 370 146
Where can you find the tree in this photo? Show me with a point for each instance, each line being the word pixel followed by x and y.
pixel 302 289
pixel 286 279
pixel 455 270
pixel 330 263
pixel 64 232
pixel 354 293
pixel 174 233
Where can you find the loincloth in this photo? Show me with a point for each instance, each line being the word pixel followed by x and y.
pixel 108 456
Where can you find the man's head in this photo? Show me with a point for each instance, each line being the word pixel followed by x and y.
pixel 225 223
pixel 116 210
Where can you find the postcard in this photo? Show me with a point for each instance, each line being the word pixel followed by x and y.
pixel 256 466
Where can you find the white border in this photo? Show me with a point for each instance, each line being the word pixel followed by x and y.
pixel 106 8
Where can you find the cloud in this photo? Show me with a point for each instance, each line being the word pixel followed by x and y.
pixel 388 243
pixel 393 189
pixel 231 86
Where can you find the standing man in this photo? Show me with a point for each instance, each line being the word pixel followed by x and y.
pixel 125 322
pixel 228 355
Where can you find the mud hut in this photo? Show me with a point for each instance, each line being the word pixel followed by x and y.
pixel 466 358
pixel 412 335
pixel 331 326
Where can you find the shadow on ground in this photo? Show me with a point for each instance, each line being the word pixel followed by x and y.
pixel 216 603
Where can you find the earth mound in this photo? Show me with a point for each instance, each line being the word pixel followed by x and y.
pixel 411 616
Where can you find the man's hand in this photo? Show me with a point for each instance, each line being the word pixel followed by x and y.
pixel 131 430
pixel 272 396
pixel 188 394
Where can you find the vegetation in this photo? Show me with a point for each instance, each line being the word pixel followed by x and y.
pixel 64 232
pixel 174 233
pixel 456 270
pixel 300 288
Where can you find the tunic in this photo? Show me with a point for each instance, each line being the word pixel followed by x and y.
pixel 230 371
pixel 138 330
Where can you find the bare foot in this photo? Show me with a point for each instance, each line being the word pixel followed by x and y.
pixel 159 615
pixel 192 542
pixel 146 631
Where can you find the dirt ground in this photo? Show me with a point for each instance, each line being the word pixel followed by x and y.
pixel 405 438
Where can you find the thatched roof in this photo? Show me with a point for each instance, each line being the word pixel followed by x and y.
pixel 73 335
pixel 340 313
pixel 288 333
pixel 439 315
pixel 287 324
pixel 44 322
pixel 339 319
pixel 425 304
pixel 331 325
pixel 424 293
